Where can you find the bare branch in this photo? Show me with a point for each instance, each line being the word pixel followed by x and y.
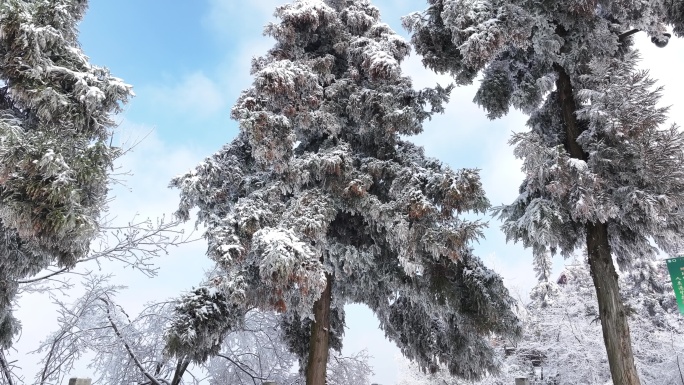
pixel 134 245
pixel 624 35
pixel 137 362
pixel 6 370
pixel 239 365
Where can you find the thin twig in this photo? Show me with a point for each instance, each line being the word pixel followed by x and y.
pixel 239 366
pixel 5 368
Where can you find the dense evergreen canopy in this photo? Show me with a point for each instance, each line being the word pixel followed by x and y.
pixel 55 127
pixel 600 170
pixel 320 190
pixel 629 174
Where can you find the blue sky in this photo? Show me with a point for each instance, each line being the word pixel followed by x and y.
pixel 188 62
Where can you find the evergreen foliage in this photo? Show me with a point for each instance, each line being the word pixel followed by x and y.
pixel 601 173
pixel 202 317
pixel 55 126
pixel 319 187
pixel 632 178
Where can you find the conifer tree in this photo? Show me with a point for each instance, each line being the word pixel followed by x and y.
pixel 55 127
pixel 319 202
pixel 561 341
pixel 600 172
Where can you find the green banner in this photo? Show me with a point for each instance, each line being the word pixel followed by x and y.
pixel 676 268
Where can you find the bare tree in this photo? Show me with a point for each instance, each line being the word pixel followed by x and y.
pixel 132 350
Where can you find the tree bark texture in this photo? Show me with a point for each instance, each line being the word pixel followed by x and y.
pixel 320 332
pixel 181 367
pixel 611 309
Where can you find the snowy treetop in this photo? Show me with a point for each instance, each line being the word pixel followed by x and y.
pixel 629 175
pixel 319 185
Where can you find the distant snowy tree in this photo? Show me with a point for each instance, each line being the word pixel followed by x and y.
pixel 412 374
pixel 562 342
pixel 55 126
pixel 319 202
pixel 601 173
pixel 564 332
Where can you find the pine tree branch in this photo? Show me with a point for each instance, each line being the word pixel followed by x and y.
pixel 624 35
pixel 33 280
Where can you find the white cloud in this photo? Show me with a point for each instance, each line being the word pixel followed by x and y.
pixel 501 172
pixel 665 65
pixel 233 71
pixel 210 91
pixel 195 94
pixel 450 135
pixel 152 164
pixel 222 20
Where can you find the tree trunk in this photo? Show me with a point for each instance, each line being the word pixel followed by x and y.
pixel 611 309
pixel 612 312
pixel 181 367
pixel 320 332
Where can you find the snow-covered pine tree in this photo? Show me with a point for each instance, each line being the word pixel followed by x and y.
pixel 561 342
pixel 601 174
pixel 54 142
pixel 318 202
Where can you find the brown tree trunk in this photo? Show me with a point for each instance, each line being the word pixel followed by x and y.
pixel 320 332
pixel 611 309
pixel 181 367
pixel 612 312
